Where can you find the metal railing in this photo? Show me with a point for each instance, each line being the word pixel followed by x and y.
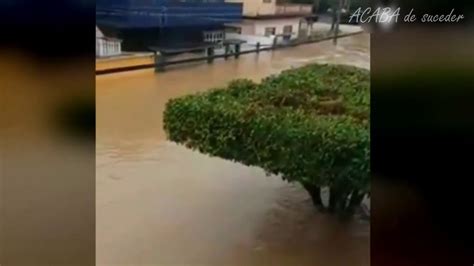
pixel 161 61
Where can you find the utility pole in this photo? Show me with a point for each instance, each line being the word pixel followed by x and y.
pixel 338 21
pixel 315 6
pixel 333 14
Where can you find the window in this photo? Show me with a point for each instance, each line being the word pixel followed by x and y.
pixel 287 30
pixel 234 29
pixel 269 31
pixel 214 36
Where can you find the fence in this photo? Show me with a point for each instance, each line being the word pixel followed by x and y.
pixel 161 61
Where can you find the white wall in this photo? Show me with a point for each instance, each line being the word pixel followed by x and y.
pixel 279 24
pixel 253 31
pixel 251 39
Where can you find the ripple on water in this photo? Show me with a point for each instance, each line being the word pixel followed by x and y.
pixel 161 204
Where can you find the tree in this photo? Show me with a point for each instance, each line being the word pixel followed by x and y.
pixel 308 125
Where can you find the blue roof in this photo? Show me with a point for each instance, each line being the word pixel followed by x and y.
pixel 165 13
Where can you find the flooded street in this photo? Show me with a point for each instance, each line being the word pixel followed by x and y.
pixel 161 204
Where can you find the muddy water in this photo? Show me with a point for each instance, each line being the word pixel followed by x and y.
pixel 161 204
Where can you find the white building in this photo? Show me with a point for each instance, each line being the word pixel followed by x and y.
pixel 105 46
pixel 265 20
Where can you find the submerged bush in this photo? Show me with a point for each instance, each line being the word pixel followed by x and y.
pixel 308 125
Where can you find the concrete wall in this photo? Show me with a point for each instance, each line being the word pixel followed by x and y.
pixel 253 31
pixel 251 39
pixel 125 60
pixel 278 24
pixel 248 28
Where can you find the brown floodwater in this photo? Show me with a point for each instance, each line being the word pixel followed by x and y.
pixel 159 203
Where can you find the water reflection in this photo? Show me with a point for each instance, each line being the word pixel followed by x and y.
pixel 161 204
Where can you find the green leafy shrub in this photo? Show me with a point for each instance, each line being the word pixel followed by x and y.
pixel 308 125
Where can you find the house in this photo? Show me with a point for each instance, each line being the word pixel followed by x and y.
pixel 269 21
pixel 105 46
pixel 145 25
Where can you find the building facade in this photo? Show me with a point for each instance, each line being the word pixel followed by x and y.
pixel 271 21
pixel 272 8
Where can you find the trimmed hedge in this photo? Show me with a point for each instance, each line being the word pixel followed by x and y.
pixel 309 125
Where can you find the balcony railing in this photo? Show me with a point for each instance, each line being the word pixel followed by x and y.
pixel 293 9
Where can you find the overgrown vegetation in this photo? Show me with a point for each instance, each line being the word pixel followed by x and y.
pixel 308 125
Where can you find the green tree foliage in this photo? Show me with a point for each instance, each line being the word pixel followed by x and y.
pixel 308 125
